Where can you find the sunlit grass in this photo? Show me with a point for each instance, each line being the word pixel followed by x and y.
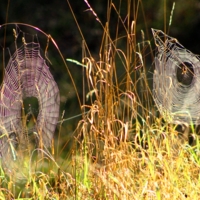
pixel 121 149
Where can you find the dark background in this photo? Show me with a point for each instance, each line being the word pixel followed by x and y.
pixel 55 18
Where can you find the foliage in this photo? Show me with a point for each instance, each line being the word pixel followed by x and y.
pixel 121 148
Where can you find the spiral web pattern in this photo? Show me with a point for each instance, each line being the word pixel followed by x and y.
pixel 27 75
pixel 176 80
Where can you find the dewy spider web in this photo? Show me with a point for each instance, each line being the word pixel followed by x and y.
pixel 176 80
pixel 27 75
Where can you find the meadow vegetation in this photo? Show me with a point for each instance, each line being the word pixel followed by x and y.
pixel 121 148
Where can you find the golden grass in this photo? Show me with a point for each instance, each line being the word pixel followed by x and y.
pixel 121 148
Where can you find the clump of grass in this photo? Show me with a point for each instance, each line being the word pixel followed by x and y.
pixel 121 148
pixel 126 151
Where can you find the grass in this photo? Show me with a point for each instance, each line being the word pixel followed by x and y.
pixel 121 148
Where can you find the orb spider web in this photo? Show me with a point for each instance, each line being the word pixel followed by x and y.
pixel 176 80
pixel 26 75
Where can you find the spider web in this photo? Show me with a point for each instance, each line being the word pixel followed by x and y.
pixel 176 80
pixel 26 75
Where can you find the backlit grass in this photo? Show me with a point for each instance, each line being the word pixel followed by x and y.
pixel 121 148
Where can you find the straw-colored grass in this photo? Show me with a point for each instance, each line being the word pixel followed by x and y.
pixel 122 148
